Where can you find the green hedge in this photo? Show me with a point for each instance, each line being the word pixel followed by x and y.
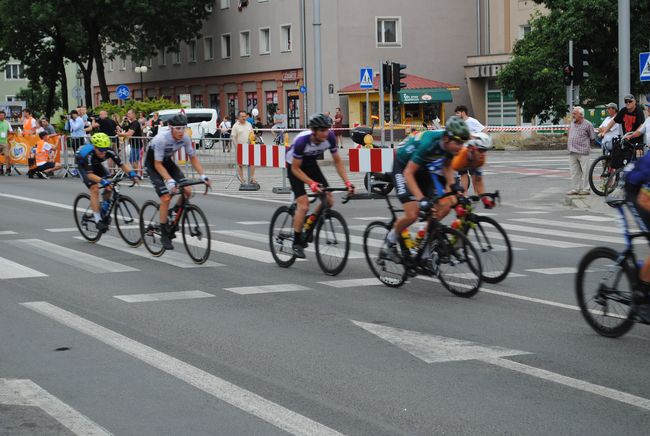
pixel 147 106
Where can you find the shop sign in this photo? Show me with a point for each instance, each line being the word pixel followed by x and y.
pixel 289 76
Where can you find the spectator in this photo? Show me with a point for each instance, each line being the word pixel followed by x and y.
pixel 279 125
pixel 106 125
pixel 155 123
pixel 643 129
pixel 45 126
pixel 5 130
pixel 83 113
pixel 474 125
pixel 241 133
pixel 224 132
pixel 143 120
pixel 134 134
pixel 29 123
pixel 43 154
pixel 338 125
pixel 630 118
pixel 76 126
pixel 608 135
pixel 581 135
pixel 250 119
pixel 116 117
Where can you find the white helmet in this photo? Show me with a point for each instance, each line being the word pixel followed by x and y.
pixel 255 112
pixel 480 140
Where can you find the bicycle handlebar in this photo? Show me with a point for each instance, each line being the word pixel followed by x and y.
pixel 196 182
pixel 493 195
pixel 324 191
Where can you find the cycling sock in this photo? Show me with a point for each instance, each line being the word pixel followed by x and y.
pixel 98 216
pixel 391 237
pixel 297 238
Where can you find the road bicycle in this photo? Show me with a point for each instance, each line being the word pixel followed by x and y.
pixel 487 236
pixel 439 251
pixel 606 279
pixel 123 209
pixel 329 233
pixel 187 217
pixel 605 170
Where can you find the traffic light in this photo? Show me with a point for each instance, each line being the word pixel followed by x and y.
pixel 568 74
pixel 398 76
pixel 387 74
pixel 581 65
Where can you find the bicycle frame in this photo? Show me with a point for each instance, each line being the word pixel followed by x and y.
pixel 184 200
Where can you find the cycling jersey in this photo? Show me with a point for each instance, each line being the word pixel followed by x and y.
pixel 640 173
pixel 303 148
pixel 88 160
pixel 163 146
pixel 424 148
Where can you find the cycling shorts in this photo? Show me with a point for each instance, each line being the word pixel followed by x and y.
pixel 158 182
pixel 312 171
pixel 97 169
pixel 424 179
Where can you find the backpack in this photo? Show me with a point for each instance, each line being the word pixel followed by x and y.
pixel 620 154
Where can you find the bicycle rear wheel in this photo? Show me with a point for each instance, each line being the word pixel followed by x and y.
pixel 150 228
pixel 374 240
pixel 196 233
pixel 493 246
pixel 332 242
pixel 456 262
pixel 612 181
pixel 84 218
pixel 126 215
pixel 604 292
pixel 599 173
pixel 281 237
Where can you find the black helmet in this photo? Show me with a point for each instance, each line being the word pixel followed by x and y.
pixel 178 120
pixel 320 121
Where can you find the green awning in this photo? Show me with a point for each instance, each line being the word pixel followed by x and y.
pixel 425 95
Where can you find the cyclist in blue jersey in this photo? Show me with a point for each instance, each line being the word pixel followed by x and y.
pixel 422 171
pixel 163 172
pixel 304 170
pixel 89 160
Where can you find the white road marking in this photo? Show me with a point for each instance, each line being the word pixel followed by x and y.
pixel 532 212
pixel 555 271
pixel 537 241
pixel 570 235
pixel 570 225
pixel 369 218
pixel 63 230
pixel 13 270
pixel 35 200
pixel 352 283
pixel 592 218
pixel 249 402
pixel 241 251
pixel 267 289
pixel 252 223
pixel 163 296
pixel 74 258
pixel 179 258
pixel 436 349
pixel 28 393
pixel 7 232
pixel 530 299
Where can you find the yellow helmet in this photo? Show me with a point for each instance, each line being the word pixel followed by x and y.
pixel 101 140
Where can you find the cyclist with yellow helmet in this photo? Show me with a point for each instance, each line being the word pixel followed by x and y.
pixel 89 160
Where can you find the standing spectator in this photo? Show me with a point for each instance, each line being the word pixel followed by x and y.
pixel 106 125
pixel 116 117
pixel 83 113
pixel 630 118
pixel 474 125
pixel 134 134
pixel 338 125
pixel 155 123
pixel 224 132
pixel 279 126
pixel 609 135
pixel 5 130
pixel 581 135
pixel 43 154
pixel 250 119
pixel 29 123
pixel 76 126
pixel 143 120
pixel 241 133
pixel 45 126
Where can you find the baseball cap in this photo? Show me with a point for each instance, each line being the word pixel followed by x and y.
pixel 629 97
pixel 612 105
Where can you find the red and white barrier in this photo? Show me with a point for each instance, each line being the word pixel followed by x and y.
pixel 261 155
pixel 376 160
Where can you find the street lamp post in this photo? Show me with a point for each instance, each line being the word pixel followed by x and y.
pixel 141 70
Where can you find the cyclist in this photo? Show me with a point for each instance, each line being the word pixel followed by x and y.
pixel 303 169
pixel 422 169
pixel 163 172
pixel 469 161
pixel 94 175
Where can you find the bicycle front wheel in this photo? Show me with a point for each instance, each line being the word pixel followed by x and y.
pixel 196 234
pixel 374 241
pixel 281 237
pixel 126 215
pixel 456 262
pixel 599 173
pixel 604 292
pixel 332 242
pixel 150 228
pixel 493 246
pixel 84 218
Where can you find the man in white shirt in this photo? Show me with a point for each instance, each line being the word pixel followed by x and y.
pixel 608 136
pixel 474 125
pixel 240 134
pixel 224 131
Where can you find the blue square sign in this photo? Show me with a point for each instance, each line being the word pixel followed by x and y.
pixel 644 66
pixel 365 78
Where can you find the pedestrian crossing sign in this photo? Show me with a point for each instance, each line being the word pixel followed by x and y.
pixel 365 78
pixel 644 66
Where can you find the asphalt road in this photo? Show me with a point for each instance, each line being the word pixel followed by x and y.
pixel 318 354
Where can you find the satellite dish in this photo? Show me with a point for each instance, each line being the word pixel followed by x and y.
pixel 255 112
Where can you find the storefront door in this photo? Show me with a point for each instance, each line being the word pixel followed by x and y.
pixel 293 109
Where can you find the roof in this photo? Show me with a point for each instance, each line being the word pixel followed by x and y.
pixel 412 82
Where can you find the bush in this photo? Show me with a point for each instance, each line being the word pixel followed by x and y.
pixel 147 106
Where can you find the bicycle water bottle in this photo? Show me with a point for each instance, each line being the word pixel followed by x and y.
pixel 408 241
pixel 419 237
pixel 309 223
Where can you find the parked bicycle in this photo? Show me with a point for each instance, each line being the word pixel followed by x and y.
pixel 187 217
pixel 329 233
pixel 438 251
pixel 605 171
pixel 124 209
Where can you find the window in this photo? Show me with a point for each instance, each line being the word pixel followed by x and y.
pixel 110 65
pixel 208 48
pixel 10 98
pixel 191 51
pixel 176 57
pixel 389 32
pixel 225 4
pixel 162 57
pixel 245 43
pixel 523 30
pixel 122 64
pixel 285 32
pixel 265 40
pixel 225 46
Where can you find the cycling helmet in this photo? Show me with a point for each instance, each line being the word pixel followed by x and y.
pixel 480 140
pixel 320 121
pixel 101 140
pixel 468 158
pixel 456 128
pixel 178 120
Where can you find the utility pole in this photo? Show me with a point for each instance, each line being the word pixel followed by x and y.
pixel 318 68
pixel 624 75
pixel 569 88
pixel 381 101
pixel 303 42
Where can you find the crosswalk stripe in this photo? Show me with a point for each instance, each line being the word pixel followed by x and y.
pixel 569 225
pixel 570 235
pixel 352 283
pixel 554 271
pixel 537 241
pixel 13 270
pixel 7 232
pixel 252 223
pixel 68 256
pixel 63 230
pixel 369 218
pixel 592 218
pixel 266 289
pixel 175 258
pixel 163 296
pixel 532 212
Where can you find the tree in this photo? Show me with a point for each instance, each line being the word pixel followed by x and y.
pixel 535 74
pixel 38 99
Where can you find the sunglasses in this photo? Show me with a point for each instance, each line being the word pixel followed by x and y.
pixel 628 101
pixel 179 128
